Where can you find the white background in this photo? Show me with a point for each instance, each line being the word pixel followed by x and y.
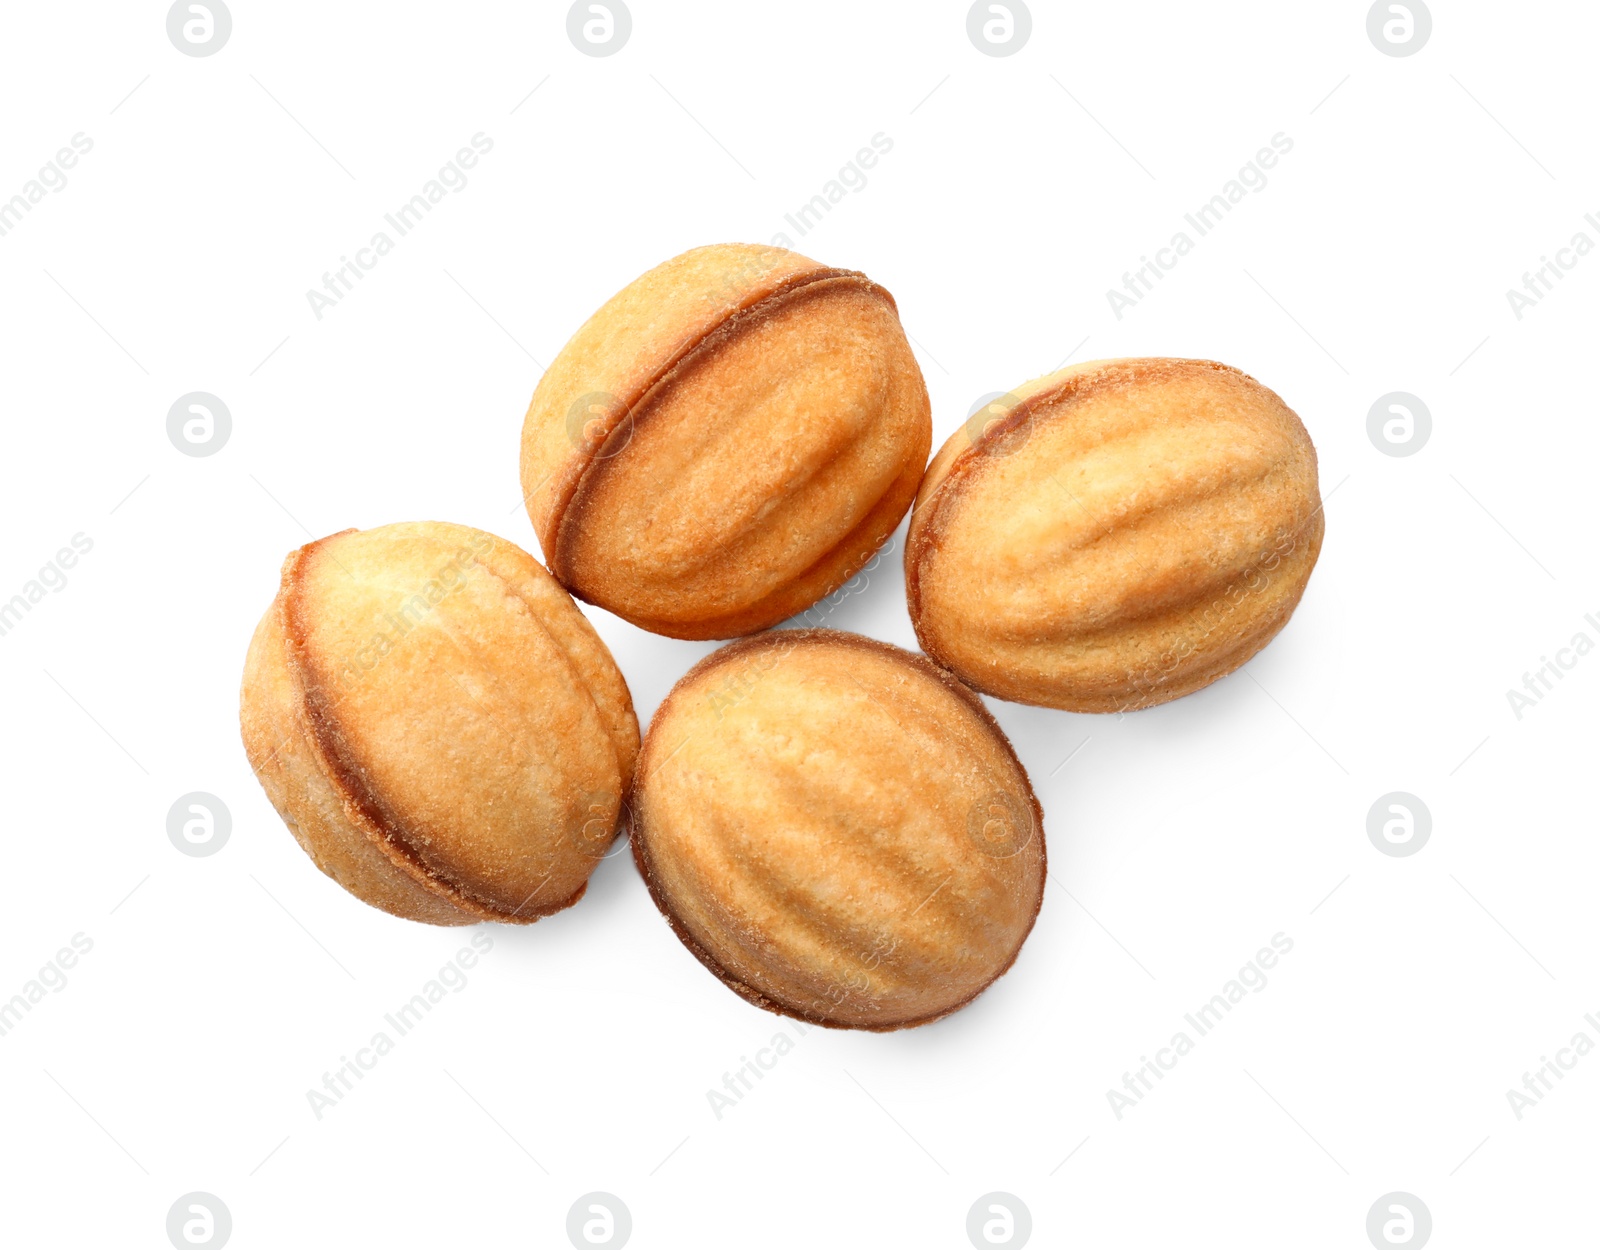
pixel 578 1058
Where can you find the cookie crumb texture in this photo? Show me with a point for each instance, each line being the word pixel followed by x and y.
pixel 1122 533
pixel 443 732
pixel 726 441
pixel 838 830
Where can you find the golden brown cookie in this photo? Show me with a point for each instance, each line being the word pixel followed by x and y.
pixel 438 725
pixel 1114 535
pixel 838 830
pixel 726 441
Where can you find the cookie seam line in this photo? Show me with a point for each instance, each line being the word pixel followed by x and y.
pixel 1075 387
pixel 737 321
pixel 966 466
pixel 750 612
pixel 576 467
pixel 362 805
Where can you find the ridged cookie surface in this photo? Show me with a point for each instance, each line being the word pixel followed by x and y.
pixel 437 724
pixel 1114 535
pixel 724 442
pixel 838 830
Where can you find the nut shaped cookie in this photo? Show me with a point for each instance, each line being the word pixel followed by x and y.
pixel 1114 535
pixel 441 729
pixel 838 830
pixel 727 440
